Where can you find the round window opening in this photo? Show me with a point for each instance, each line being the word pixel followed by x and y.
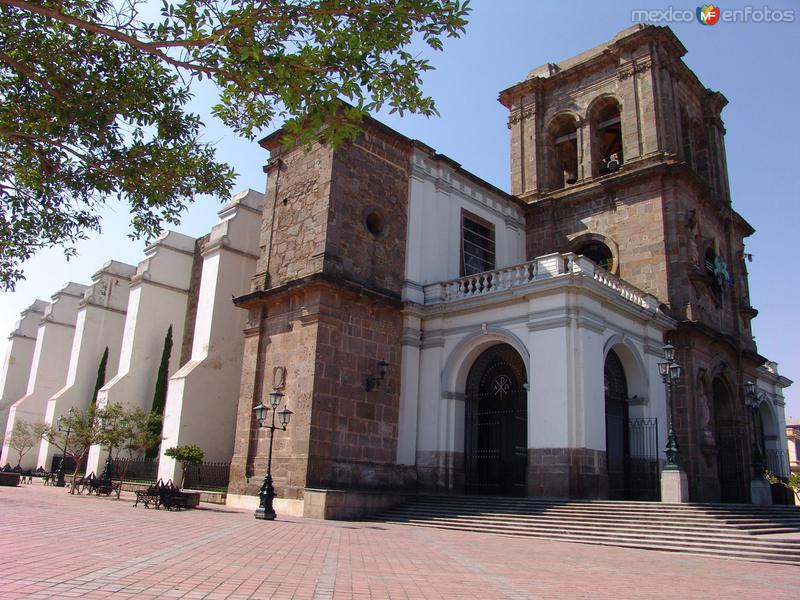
pixel 599 254
pixel 374 223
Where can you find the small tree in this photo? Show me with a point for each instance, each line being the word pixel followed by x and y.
pixel 162 384
pixel 114 429
pixel 25 436
pixel 142 434
pixel 101 375
pixel 76 432
pixel 186 455
pixel 793 483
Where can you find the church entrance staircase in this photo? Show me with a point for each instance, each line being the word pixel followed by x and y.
pixel 756 533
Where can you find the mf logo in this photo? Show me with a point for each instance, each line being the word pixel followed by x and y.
pixel 708 14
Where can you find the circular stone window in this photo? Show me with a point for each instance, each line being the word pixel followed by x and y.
pixel 374 224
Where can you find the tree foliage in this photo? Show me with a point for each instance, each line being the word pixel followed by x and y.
pixel 94 97
pixel 76 432
pixel 162 385
pixel 101 375
pixel 139 432
pixel 25 436
pixel 186 455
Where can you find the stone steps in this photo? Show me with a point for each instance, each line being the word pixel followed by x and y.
pixel 714 530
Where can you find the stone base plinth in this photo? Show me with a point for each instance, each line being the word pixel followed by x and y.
pixel 347 504
pixel 567 473
pixel 674 486
pixel 760 491
pixel 9 479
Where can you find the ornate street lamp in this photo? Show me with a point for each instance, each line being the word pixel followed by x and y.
pixel 670 373
pixel 267 494
pixel 60 470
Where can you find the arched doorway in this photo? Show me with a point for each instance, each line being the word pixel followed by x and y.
pixel 616 394
pixel 496 441
pixel 730 446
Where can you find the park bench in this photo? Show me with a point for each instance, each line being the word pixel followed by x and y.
pixel 97 485
pixel 166 495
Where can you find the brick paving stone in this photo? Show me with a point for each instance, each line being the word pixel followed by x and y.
pixel 53 545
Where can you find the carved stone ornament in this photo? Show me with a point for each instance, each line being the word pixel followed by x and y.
pixel 518 115
pixel 279 378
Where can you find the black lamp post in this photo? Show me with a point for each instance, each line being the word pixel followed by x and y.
pixel 60 471
pixel 267 494
pixel 670 373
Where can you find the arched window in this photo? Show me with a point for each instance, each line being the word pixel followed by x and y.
pixel 607 155
pixel 599 254
pixel 563 138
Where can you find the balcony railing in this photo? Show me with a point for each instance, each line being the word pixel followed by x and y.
pixel 539 269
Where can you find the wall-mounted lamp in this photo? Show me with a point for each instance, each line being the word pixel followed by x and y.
pixel 753 396
pixel 374 381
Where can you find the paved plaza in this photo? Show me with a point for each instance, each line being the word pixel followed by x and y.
pixel 54 545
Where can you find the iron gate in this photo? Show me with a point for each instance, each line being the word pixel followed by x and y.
pixel 643 482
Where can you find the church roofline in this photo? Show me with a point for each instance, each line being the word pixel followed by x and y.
pixel 272 141
pixel 634 35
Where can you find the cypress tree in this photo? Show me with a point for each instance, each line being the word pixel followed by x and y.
pixel 162 383
pixel 101 376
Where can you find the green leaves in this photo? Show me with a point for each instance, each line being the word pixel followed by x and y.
pixel 94 97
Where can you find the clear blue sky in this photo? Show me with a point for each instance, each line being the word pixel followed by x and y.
pixel 754 64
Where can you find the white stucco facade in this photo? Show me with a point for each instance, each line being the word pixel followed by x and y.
pixel 772 417
pixel 158 298
pixel 17 367
pixel 19 356
pixel 50 362
pixel 562 315
pixel 100 323
pixel 439 194
pixel 203 394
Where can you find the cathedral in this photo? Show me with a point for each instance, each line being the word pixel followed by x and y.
pixel 432 333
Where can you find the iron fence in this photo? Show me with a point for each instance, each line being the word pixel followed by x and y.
pixel 138 469
pixel 642 467
pixel 212 476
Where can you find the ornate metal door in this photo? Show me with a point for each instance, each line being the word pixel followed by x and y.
pixel 496 424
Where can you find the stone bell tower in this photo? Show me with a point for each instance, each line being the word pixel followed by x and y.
pixel 324 314
pixel 620 154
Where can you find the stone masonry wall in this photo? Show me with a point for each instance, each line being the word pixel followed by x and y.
pixel 296 210
pixel 353 441
pixel 370 176
pixel 631 221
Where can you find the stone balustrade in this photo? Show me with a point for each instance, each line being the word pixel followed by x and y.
pixel 538 269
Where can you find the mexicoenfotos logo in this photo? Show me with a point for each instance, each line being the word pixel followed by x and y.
pixel 708 14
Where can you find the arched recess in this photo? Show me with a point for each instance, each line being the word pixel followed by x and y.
pixel 635 370
pixel 562 151
pixel 632 449
pixel 496 423
pixel 730 441
pixel 605 123
pixel 458 363
pixel 769 440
